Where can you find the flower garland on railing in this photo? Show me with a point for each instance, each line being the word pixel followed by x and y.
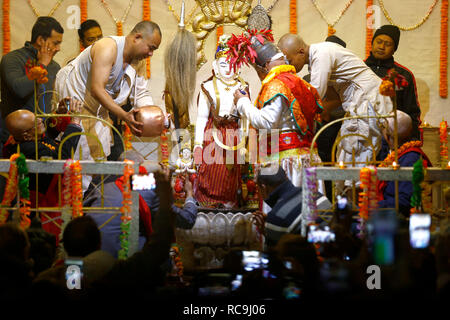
pixel 146 17
pixel 443 139
pixel 175 254
pixel 369 29
pixel 368 197
pixel 387 162
pixel 128 171
pixel 443 81
pixel 24 191
pixel 66 185
pixel 293 16
pixel 6 28
pixel 417 179
pixel 36 72
pixel 10 188
pixel 77 189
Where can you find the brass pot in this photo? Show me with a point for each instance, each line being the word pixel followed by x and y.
pixel 153 119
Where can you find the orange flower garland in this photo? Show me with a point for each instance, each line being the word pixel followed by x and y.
pixel 77 191
pixel 38 73
pixel 127 136
pixel 391 157
pixel 443 82
pixel 368 197
pixel 293 16
pixel 175 255
pixel 146 17
pixel 387 88
pixel 6 28
pixel 369 30
pixel 443 139
pixel 83 11
pixel 10 189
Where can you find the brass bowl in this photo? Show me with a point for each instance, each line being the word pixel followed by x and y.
pixel 153 119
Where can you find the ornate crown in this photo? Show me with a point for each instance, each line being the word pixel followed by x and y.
pixel 222 47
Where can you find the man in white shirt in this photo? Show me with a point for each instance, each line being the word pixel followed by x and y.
pixel 357 85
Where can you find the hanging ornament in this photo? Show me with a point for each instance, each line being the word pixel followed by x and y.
pixel 443 82
pixel 417 179
pixel 119 23
pixel 407 28
pixel 52 10
pixel 331 24
pixel 10 188
pixel 368 199
pixel 443 134
pixel 6 28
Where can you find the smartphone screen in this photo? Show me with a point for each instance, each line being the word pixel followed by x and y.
pixel 252 260
pixel 384 225
pixel 143 182
pixel 316 234
pixel 419 230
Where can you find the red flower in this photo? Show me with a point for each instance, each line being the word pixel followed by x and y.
pixel 398 79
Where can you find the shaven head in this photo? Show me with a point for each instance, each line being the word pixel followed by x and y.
pixel 20 124
pixel 404 129
pixel 295 50
pixel 142 41
pixel 146 28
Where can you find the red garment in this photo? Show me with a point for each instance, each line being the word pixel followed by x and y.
pixel 216 183
pixel 144 210
pixel 381 185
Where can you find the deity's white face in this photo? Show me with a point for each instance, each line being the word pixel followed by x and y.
pixel 186 154
pixel 222 67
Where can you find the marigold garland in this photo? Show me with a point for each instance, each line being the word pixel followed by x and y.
pixel 369 29
pixel 146 17
pixel 10 188
pixel 443 81
pixel 127 136
pixel 67 186
pixel 37 73
pixel 387 162
pixel 77 190
pixel 443 139
pixel 368 197
pixel 293 16
pixel 128 171
pixel 175 254
pixel 331 24
pixel 6 28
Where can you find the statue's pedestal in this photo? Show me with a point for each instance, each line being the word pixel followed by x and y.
pixel 213 236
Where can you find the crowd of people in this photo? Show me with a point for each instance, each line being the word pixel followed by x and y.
pixel 106 81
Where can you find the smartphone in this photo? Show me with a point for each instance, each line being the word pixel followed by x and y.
pixel 252 260
pixel 419 230
pixel 74 273
pixel 384 226
pixel 316 234
pixel 143 182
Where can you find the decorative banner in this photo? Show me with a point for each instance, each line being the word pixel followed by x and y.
pixel 128 171
pixel 6 28
pixel 443 81
pixel 293 16
pixel 369 28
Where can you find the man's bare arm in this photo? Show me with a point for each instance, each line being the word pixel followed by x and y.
pixel 103 55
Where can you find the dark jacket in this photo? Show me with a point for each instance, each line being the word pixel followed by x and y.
pixel 47 147
pixel 17 89
pixel 286 204
pixel 405 188
pixel 407 100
